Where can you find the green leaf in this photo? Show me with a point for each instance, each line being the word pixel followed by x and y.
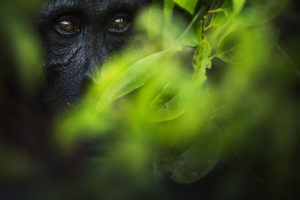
pixel 188 5
pixel 192 35
pixel 196 161
pixel 168 9
pixel 227 8
pixel 219 19
pixel 132 78
pixel 168 105
pixel 231 48
pixel 191 38
pixel 262 11
pixel 238 6
pixel 202 61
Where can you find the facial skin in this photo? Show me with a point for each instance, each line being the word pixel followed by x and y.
pixel 78 36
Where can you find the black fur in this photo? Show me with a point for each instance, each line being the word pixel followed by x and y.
pixel 71 59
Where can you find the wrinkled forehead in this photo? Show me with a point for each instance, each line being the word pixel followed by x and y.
pixel 91 5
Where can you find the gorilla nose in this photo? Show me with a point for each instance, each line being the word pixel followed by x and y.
pixel 90 74
pixel 86 83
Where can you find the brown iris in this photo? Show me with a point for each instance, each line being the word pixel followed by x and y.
pixel 66 26
pixel 120 24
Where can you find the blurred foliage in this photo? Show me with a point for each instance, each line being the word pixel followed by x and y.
pixel 19 37
pixel 200 78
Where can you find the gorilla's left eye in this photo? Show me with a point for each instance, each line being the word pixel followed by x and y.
pixel 66 26
pixel 121 23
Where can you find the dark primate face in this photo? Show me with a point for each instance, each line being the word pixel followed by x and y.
pixel 79 35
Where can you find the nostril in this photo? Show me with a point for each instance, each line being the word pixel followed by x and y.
pixel 86 83
pixel 89 76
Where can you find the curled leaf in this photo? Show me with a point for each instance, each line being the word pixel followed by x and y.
pixel 196 161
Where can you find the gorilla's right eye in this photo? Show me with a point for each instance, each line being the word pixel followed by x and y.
pixel 121 23
pixel 67 26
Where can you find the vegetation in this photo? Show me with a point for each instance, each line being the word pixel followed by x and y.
pixel 201 82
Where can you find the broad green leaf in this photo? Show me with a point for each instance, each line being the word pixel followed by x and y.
pixel 230 48
pixel 262 11
pixel 195 162
pixel 191 38
pixel 219 19
pixel 168 9
pixel 192 35
pixel 188 5
pixel 132 78
pixel 227 8
pixel 169 104
pixel 238 6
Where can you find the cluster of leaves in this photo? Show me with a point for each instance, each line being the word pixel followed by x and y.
pixel 156 94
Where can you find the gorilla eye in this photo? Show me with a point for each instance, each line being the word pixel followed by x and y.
pixel 66 26
pixel 120 23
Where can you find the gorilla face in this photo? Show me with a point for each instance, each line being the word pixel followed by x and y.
pixel 79 35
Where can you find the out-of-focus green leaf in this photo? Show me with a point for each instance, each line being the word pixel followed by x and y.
pixel 132 78
pixel 188 5
pixel 168 105
pixel 262 11
pixel 168 9
pixel 226 7
pixel 194 32
pixel 218 19
pixel 230 48
pixel 202 61
pixel 238 6
pixel 196 161
pixel 191 38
